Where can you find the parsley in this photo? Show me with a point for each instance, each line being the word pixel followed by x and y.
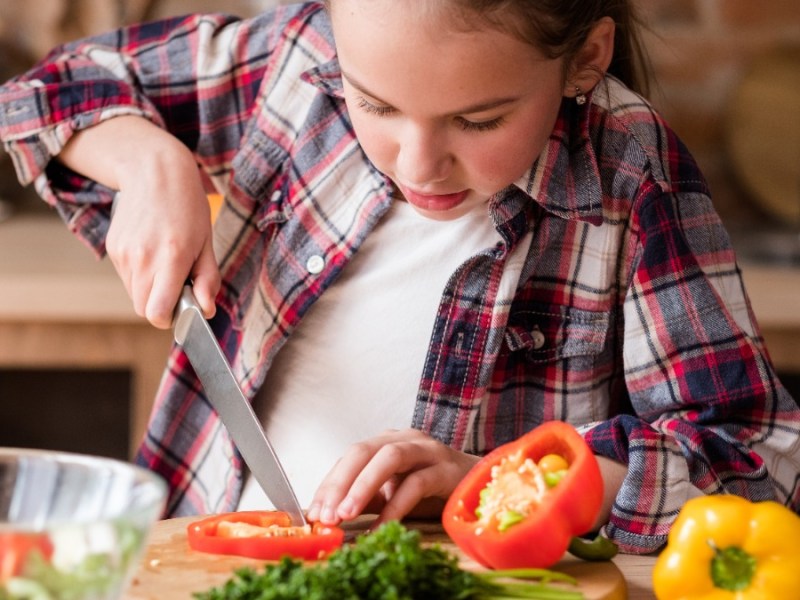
pixel 389 564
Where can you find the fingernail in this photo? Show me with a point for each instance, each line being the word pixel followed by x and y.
pixel 328 515
pixel 347 508
pixel 312 514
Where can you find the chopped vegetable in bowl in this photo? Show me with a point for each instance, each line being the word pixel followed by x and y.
pixel 72 527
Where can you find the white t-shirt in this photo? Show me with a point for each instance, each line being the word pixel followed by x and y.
pixel 352 367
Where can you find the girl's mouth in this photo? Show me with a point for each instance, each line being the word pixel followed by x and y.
pixel 434 202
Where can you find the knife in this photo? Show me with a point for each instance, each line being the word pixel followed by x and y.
pixel 193 333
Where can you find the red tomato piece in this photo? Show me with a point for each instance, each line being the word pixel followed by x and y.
pixel 15 548
pixel 265 535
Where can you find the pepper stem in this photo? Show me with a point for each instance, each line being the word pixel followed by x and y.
pixel 731 568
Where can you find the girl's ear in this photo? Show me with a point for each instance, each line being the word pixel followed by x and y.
pixel 591 62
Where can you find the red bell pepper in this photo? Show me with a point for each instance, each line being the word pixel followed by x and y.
pixel 527 516
pixel 266 535
pixel 15 548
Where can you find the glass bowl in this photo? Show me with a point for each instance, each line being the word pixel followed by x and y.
pixel 72 527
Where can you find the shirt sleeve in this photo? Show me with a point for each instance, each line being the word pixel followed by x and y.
pixel 192 76
pixel 709 413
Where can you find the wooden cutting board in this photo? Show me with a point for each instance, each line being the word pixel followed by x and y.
pixel 170 570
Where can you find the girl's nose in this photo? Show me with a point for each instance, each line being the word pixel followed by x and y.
pixel 423 156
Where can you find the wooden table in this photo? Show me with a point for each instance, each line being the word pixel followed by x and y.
pixel 170 570
pixel 62 308
pixel 638 573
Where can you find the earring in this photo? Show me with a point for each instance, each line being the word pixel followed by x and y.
pixel 580 97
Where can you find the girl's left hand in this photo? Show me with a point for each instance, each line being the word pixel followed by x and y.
pixel 390 475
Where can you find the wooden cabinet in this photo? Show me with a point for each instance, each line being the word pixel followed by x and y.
pixel 60 308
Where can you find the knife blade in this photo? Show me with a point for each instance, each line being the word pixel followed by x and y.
pixel 198 341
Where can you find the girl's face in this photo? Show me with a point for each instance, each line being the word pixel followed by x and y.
pixel 451 116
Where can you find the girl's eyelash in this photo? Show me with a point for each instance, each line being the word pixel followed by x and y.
pixel 381 111
pixel 464 124
pixel 480 126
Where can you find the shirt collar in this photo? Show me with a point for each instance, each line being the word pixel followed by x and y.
pixel 327 77
pixel 564 180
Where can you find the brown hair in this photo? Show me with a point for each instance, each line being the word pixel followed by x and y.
pixel 558 28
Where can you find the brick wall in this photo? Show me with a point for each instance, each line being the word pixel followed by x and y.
pixel 700 50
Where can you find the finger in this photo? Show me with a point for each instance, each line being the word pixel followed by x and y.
pixel 373 507
pixel 338 481
pixel 163 299
pixel 388 462
pixel 120 265
pixel 415 488
pixel 125 277
pixel 141 284
pixel 206 280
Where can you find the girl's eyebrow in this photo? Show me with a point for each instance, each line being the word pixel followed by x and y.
pixel 475 108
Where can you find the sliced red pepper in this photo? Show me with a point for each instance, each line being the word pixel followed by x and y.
pixel 235 533
pixel 15 548
pixel 539 538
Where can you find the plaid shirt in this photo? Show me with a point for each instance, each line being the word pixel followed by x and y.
pixel 613 301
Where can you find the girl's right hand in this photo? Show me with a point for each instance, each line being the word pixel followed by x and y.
pixel 160 236
pixel 160 232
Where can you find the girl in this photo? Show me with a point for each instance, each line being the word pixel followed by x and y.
pixel 450 215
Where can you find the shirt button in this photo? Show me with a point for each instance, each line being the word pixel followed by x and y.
pixel 538 339
pixel 276 195
pixel 315 264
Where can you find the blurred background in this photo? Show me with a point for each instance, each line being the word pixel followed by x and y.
pixel 727 77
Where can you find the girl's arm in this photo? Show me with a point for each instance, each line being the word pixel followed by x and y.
pixel 138 110
pixel 613 473
pixel 161 228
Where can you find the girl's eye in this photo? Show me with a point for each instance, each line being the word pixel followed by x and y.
pixel 464 124
pixel 479 126
pixel 381 111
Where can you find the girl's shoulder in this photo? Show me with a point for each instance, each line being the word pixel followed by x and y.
pixel 637 128
pixel 303 21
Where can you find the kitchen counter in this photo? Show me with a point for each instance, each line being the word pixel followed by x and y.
pixel 775 296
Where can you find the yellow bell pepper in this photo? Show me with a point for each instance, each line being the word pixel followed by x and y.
pixel 725 547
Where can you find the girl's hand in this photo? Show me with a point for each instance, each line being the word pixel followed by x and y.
pixel 391 475
pixel 160 236
pixel 160 232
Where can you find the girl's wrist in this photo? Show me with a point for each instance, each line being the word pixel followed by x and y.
pixel 613 474
pixel 158 157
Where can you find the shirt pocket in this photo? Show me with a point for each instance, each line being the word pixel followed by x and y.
pixel 553 333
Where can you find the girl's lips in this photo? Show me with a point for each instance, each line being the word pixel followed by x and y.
pixel 434 202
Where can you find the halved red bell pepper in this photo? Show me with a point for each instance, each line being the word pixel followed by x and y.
pixel 538 535
pixel 266 535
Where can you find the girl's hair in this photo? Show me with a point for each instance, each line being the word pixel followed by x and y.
pixel 558 28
